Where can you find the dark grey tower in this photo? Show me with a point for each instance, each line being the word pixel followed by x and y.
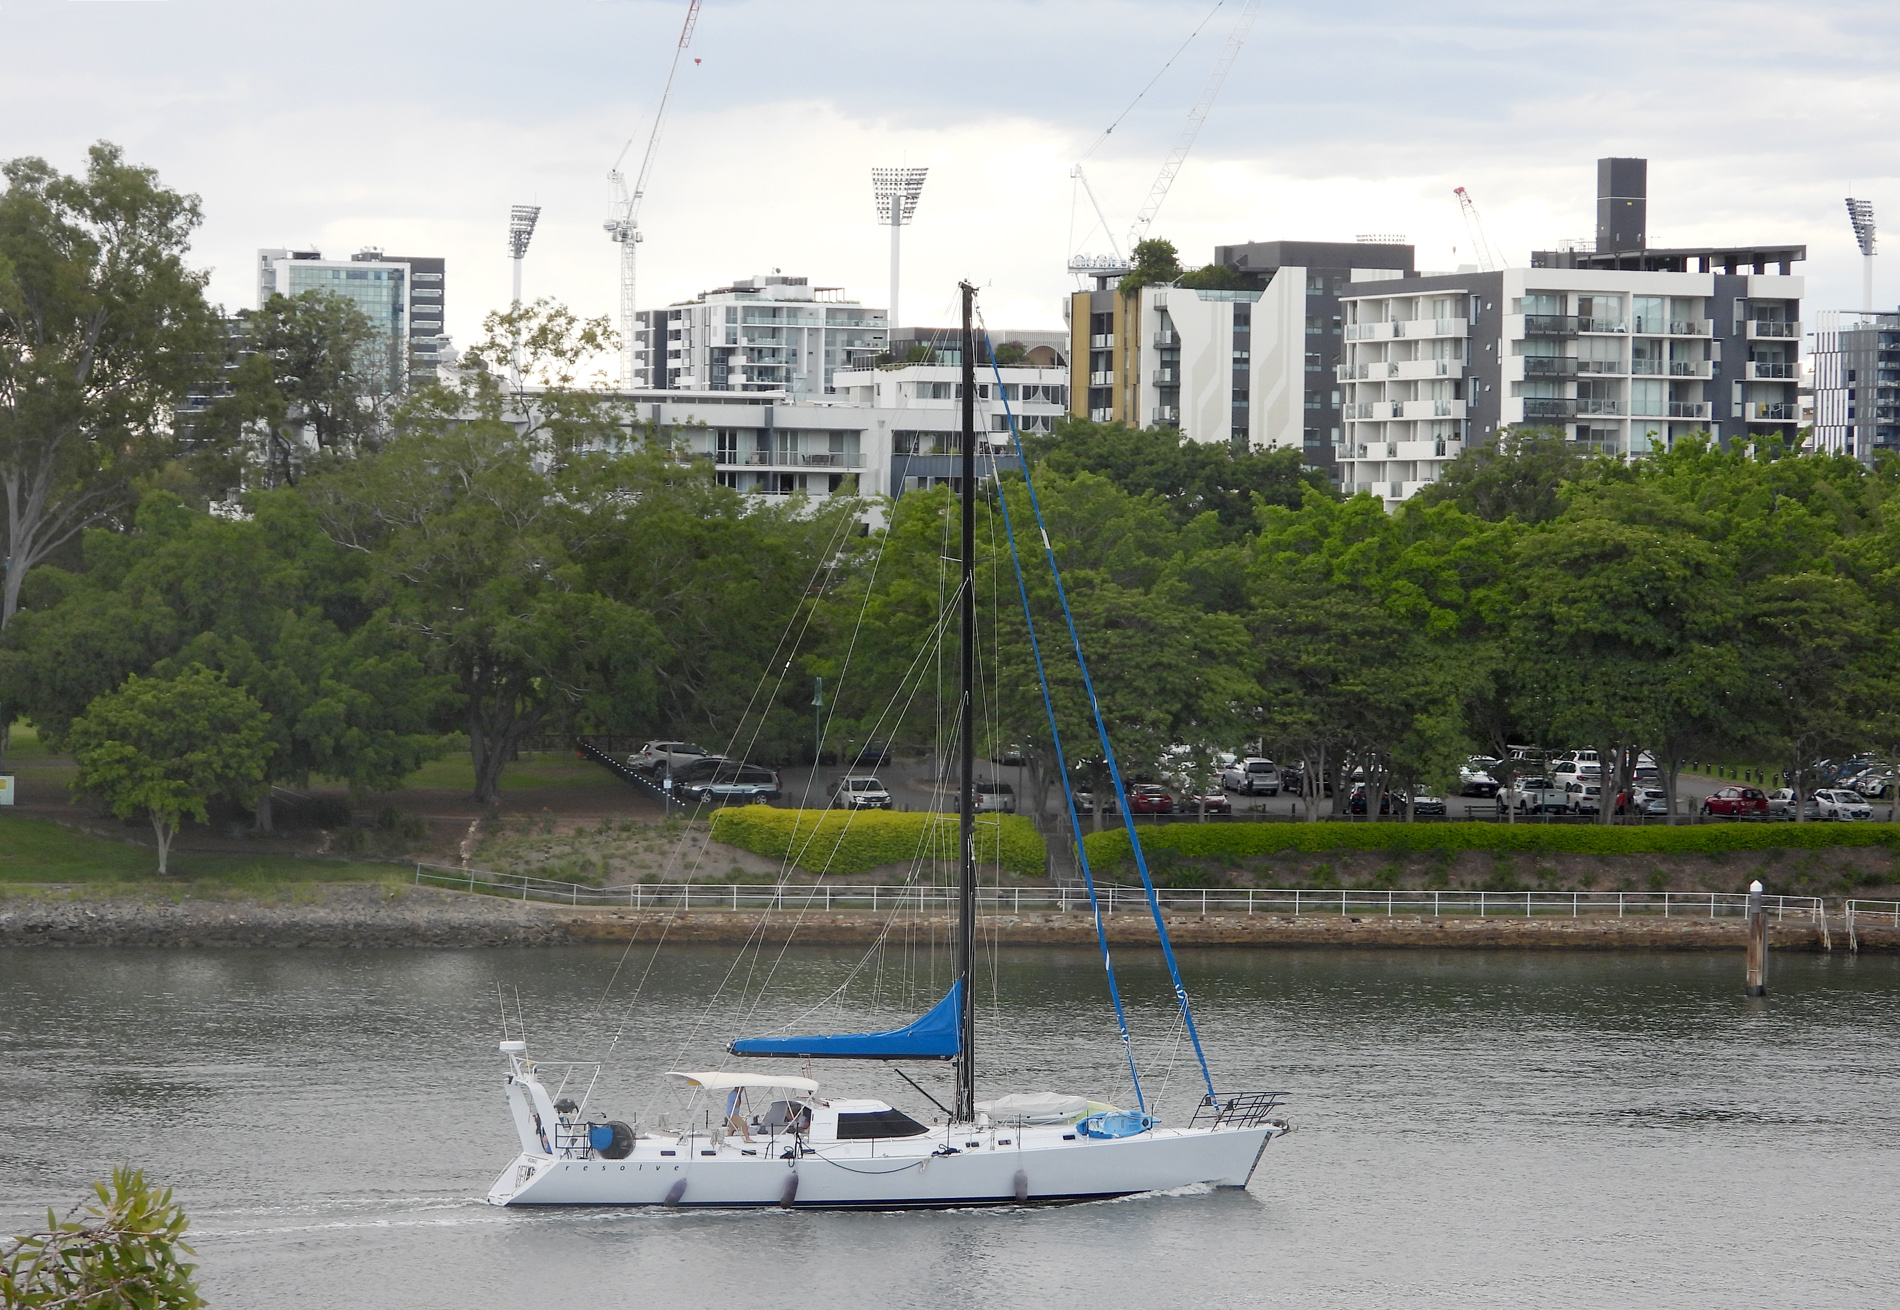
pixel 1622 205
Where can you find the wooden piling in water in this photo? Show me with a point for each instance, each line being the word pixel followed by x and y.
pixel 1756 982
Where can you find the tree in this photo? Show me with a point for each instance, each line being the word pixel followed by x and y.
pixel 1188 478
pixel 268 601
pixel 310 382
pixel 102 328
pixel 166 746
pixel 124 1252
pixel 1522 475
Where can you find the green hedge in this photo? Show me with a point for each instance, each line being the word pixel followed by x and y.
pixel 1238 841
pixel 847 842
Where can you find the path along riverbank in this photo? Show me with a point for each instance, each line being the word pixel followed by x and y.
pixel 383 916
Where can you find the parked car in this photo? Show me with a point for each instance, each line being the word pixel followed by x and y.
pixel 1837 803
pixel 666 756
pixel 1429 806
pixel 859 793
pixel 1781 803
pixel 1566 770
pixel 1149 798
pixel 1252 777
pixel 1476 782
pixel 1356 803
pixel 871 754
pixel 1534 796
pixel 1085 803
pixel 1737 803
pixel 995 798
pixel 726 782
pixel 1215 802
pixel 1010 756
pixel 1649 801
pixel 1874 784
pixel 1582 797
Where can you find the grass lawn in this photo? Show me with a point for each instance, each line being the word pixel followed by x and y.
pixel 38 850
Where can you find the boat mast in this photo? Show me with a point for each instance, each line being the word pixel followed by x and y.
pixel 966 811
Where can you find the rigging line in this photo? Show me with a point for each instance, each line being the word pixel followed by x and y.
pixel 751 949
pixel 1055 737
pixel 1151 81
pixel 828 561
pixel 927 838
pixel 1108 751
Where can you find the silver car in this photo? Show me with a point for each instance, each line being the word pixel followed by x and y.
pixel 860 793
pixel 1253 777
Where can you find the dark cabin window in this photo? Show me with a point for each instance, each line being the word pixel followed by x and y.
pixel 880 1123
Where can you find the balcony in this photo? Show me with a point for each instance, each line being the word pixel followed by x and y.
pixel 1165 340
pixel 1417 409
pixel 1418 369
pixel 1761 329
pixel 1431 327
pixel 1671 368
pixel 1549 366
pixel 1101 415
pixel 1602 325
pixel 1102 341
pixel 1758 413
pixel 1170 414
pixel 1592 406
pixel 1690 409
pixel 790 459
pixel 1550 325
pixel 1769 372
pixel 1167 377
pixel 1105 378
pixel 1536 407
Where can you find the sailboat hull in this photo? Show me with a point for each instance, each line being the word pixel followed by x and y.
pixel 1030 1167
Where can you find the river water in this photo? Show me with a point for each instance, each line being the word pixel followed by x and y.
pixel 1472 1129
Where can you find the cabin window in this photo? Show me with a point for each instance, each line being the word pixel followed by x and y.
pixel 879 1123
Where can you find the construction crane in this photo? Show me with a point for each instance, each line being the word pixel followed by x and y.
pixel 1098 265
pixel 623 217
pixel 1474 228
pixel 1860 213
pixel 1196 116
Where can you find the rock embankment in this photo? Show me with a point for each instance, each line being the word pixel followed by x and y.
pixel 364 916
pixel 337 916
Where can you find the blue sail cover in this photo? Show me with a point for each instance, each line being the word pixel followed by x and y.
pixel 931 1037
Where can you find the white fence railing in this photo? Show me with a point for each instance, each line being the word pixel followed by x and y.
pixel 1861 913
pixel 1119 899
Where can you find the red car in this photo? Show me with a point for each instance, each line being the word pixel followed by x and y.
pixel 1147 798
pixel 1738 802
pixel 1217 803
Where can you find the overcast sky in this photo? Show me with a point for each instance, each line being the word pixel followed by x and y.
pixel 415 126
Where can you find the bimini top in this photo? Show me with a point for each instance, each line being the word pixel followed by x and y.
pixel 931 1037
pixel 725 1082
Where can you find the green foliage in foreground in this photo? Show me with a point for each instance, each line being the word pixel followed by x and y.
pixel 41 851
pixel 1239 841
pixel 846 842
pixel 122 1252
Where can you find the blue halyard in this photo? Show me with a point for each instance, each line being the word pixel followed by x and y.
pixel 1101 728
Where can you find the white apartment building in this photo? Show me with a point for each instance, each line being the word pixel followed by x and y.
pixel 885 431
pixel 1621 361
pixel 1248 367
pixel 771 333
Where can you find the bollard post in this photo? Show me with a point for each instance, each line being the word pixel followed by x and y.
pixel 1757 974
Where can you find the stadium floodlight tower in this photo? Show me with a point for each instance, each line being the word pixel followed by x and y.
pixel 1861 214
pixel 897 191
pixel 521 221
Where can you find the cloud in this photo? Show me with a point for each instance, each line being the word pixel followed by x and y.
pixel 414 127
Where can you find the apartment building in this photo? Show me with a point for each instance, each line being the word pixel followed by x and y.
pixel 401 295
pixel 771 333
pixel 1857 383
pixel 1620 347
pixel 1253 367
pixel 884 431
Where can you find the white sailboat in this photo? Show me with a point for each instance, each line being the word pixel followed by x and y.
pixel 772 1139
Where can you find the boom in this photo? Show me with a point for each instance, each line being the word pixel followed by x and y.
pixel 1196 116
pixel 623 217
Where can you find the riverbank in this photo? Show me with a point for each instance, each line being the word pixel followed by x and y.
pixel 402 916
